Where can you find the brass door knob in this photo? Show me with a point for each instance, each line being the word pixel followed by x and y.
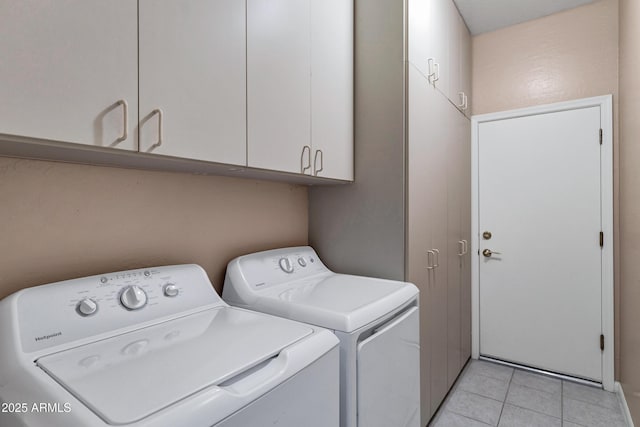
pixel 488 252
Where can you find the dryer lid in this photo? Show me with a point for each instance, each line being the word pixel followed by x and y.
pixel 126 378
pixel 336 301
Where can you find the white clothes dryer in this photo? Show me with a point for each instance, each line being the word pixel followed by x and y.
pixel 376 321
pixel 158 348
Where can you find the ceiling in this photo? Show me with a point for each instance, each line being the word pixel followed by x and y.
pixel 482 16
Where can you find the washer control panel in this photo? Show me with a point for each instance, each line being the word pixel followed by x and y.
pixel 67 311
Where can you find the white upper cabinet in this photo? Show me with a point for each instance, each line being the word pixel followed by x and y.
pixel 192 79
pixel 69 71
pixel 465 66
pixel 279 85
pixel 454 92
pixel 266 84
pixel 460 64
pixel 420 38
pixel 332 88
pixel 440 48
pixel 440 19
pixel 300 86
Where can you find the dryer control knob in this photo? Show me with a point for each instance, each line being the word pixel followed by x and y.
pixel 133 297
pixel 87 307
pixel 171 290
pixel 286 265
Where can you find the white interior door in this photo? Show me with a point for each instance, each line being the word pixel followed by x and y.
pixel 539 195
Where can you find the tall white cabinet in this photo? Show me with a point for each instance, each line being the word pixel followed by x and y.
pixel 69 71
pixel 408 215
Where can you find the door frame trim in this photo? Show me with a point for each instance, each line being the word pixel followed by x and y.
pixel 606 181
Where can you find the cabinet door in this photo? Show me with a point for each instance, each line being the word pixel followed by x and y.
pixel 192 68
pixel 441 11
pixel 419 229
pixel 440 136
pixel 420 39
pixel 278 84
pixel 465 65
pixel 454 245
pixel 332 88
pixel 453 49
pixel 69 71
pixel 465 218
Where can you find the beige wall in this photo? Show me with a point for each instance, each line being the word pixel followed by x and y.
pixel 566 56
pixel 569 55
pixel 630 203
pixel 61 221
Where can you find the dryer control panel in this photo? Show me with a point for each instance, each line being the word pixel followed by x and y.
pixel 62 312
pixel 263 270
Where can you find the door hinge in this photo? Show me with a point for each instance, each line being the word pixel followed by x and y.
pixel 601 239
pixel 602 342
pixel 600 136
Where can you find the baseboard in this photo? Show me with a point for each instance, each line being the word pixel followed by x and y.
pixel 623 403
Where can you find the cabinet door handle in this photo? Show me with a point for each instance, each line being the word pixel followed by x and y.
pixel 465 247
pixel 461 247
pixel 315 162
pixel 430 260
pixel 436 74
pixel 466 101
pixel 125 117
pixel 160 130
pixel 304 168
pixel 462 96
pixel 437 264
pixel 430 74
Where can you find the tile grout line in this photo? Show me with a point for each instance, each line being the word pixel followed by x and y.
pixel 504 402
pixel 536 389
pixel 533 410
pixel 561 403
pixel 456 390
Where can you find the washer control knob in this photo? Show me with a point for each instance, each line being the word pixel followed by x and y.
pixel 133 297
pixel 171 290
pixel 87 307
pixel 302 262
pixel 285 265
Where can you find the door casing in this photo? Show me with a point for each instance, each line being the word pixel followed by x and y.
pixel 606 163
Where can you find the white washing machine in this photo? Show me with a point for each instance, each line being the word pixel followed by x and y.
pixel 376 321
pixel 158 348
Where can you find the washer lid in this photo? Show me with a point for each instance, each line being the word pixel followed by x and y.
pixel 129 377
pixel 336 301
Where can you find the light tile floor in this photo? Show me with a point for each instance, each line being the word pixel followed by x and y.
pixel 488 394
